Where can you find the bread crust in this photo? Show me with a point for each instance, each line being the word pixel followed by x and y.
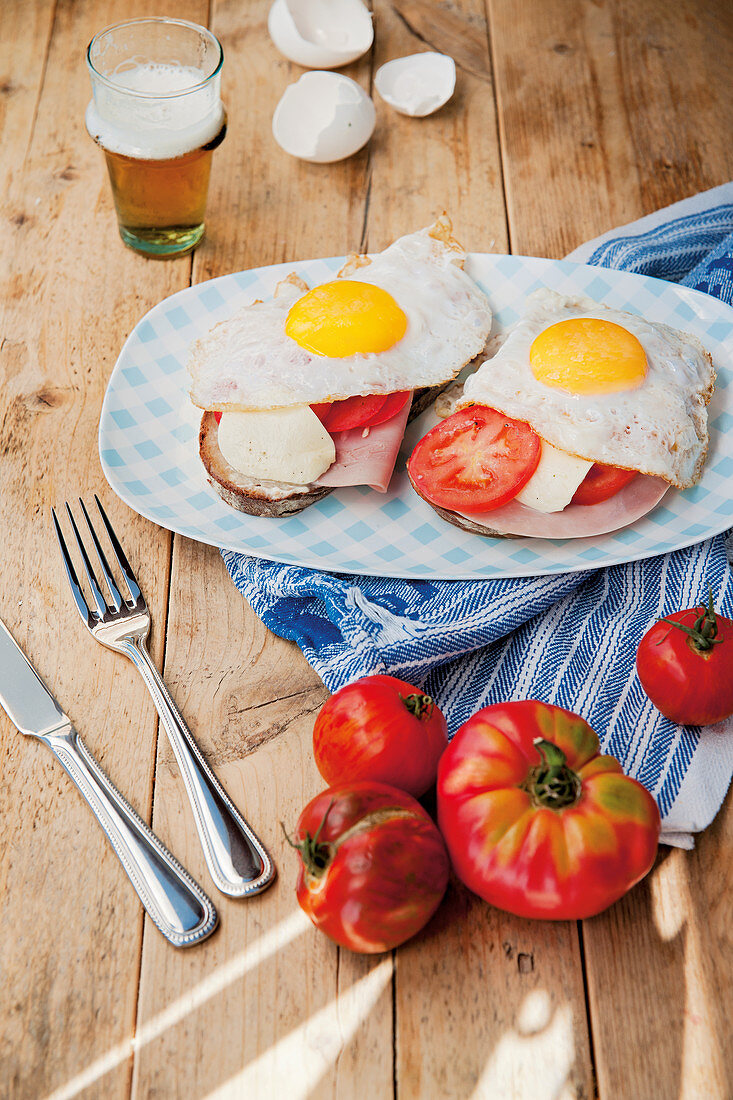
pixel 270 499
pixel 460 521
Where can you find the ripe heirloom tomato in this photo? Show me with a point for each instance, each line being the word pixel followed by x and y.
pixel 383 729
pixel 685 664
pixel 535 820
pixel 373 865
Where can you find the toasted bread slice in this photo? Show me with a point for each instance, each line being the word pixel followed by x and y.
pixel 516 520
pixel 269 498
pixel 257 498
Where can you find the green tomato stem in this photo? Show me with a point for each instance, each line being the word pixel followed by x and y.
pixel 316 854
pixel 418 704
pixel 702 635
pixel 552 783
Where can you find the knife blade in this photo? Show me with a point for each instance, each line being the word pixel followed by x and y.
pixel 23 696
pixel 174 901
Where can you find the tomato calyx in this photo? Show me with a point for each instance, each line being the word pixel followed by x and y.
pixel 702 635
pixel 317 855
pixel 552 783
pixel 418 704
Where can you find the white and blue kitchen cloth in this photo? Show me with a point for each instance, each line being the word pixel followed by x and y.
pixel 569 639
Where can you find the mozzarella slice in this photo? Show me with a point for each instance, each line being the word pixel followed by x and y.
pixel 289 445
pixel 553 484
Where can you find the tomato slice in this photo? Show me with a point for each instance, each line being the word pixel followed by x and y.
pixel 321 410
pixel 600 483
pixel 475 460
pixel 356 412
pixel 352 412
pixel 394 403
pixel 359 412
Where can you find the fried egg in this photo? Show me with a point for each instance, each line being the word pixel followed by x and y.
pixel 604 386
pixel 407 318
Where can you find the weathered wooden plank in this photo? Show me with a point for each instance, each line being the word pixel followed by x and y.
pixel 69 294
pixel 569 166
pixel 672 59
pixel 599 107
pixel 449 160
pixel 265 207
pixel 481 997
pixel 659 977
pixel 269 1007
pixel 25 32
pixel 289 1012
pixel 607 112
pixel 489 1005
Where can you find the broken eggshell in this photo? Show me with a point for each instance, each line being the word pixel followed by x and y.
pixel 417 85
pixel 323 117
pixel 321 34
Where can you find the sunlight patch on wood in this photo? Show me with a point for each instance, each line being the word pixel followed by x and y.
pixel 266 945
pixel 668 912
pixel 536 1057
pixel 295 1064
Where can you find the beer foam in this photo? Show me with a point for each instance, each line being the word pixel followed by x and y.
pixel 154 111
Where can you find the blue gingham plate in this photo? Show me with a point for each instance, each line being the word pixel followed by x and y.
pixel 148 440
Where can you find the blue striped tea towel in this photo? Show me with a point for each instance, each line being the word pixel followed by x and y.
pixel 568 639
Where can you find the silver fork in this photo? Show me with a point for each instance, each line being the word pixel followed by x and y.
pixel 237 860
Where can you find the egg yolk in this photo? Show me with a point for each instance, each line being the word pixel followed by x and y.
pixel 344 318
pixel 587 355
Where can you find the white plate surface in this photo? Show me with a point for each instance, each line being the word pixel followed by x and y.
pixel 148 440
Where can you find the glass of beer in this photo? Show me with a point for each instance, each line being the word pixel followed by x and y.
pixel 156 111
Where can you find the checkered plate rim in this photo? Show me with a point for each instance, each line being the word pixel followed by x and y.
pixel 148 428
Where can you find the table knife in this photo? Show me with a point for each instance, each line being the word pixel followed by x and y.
pixel 176 904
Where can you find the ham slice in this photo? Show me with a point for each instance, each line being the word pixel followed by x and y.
pixel 576 521
pixel 366 456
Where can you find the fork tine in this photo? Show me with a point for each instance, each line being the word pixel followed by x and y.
pixel 119 553
pixel 98 597
pixel 76 591
pixel 106 573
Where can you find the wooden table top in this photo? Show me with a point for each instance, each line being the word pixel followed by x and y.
pixel 570 117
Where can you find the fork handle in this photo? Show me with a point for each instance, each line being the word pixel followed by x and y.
pixel 237 860
pixel 175 903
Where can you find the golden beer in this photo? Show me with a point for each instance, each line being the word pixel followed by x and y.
pixel 162 202
pixel 157 114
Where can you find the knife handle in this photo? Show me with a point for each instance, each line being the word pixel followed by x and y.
pixel 175 903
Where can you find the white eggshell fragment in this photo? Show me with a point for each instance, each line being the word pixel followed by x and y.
pixel 321 34
pixel 323 117
pixel 417 85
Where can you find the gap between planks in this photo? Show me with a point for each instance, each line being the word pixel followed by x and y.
pixel 156 738
pixel 498 118
pixel 42 81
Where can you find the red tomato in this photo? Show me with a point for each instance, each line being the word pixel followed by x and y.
pixel 383 729
pixel 600 483
pixel 321 410
pixel 373 865
pixel 475 460
pixel 356 412
pixel 360 412
pixel 352 412
pixel 535 820
pixel 685 664
pixel 393 404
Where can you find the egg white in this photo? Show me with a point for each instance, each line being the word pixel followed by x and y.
pixel 659 427
pixel 249 363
